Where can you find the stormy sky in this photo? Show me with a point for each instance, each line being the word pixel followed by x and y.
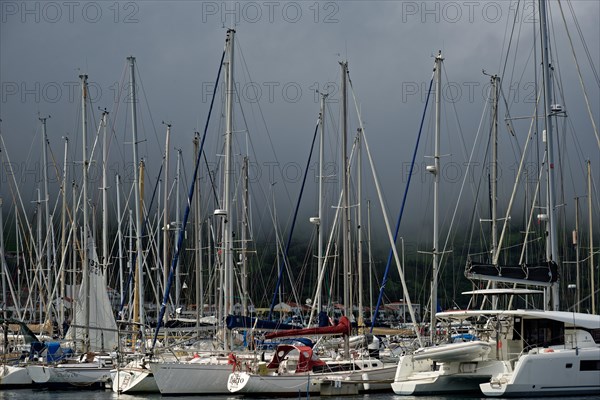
pixel 285 52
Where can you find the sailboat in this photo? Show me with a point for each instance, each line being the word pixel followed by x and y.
pixel 98 330
pixel 533 352
pixel 568 360
pixel 458 365
pixel 207 371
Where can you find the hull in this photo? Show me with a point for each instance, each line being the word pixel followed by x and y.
pixel 419 377
pixel 65 375
pixel 134 380
pixel 174 378
pixel 14 377
pixel 273 385
pixel 549 372
pixel 366 380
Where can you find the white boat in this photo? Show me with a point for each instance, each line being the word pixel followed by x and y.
pixel 135 377
pixel 570 366
pixel 92 373
pixel 296 370
pixel 14 376
pixel 201 375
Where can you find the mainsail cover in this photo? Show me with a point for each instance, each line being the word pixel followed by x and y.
pixel 103 328
pixel 342 328
pixel 541 273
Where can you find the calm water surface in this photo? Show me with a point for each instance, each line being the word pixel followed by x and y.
pixel 36 394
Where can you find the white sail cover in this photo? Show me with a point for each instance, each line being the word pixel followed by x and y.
pixel 103 328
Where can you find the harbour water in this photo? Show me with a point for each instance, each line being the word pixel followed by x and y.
pixel 42 394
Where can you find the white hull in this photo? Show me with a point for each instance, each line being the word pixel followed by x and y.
pixel 549 373
pixel 14 376
pixel 376 379
pixel 418 378
pixel 69 374
pixel 191 378
pixel 133 380
pixel 446 369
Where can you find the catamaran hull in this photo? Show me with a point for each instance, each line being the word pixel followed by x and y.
pixel 549 373
pixel 191 378
pixel 14 377
pixel 420 377
pixel 63 376
pixel 134 380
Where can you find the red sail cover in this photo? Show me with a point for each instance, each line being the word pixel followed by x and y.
pixel 342 328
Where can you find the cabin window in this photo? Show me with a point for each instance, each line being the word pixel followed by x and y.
pixel 595 335
pixel 569 365
pixel 543 333
pixel 589 365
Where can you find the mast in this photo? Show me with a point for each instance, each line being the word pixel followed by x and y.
pixel 320 218
pixel 494 178
pixel 104 189
pixel 63 238
pixel 592 277
pixel 120 237
pixel 46 200
pixel 359 228
pixel 4 279
pixel 245 225
pixel 228 171
pixel 435 169
pixel 577 270
pixel 370 259
pixel 166 213
pixel 345 209
pixel 552 248
pixel 198 233
pixel 178 227
pixel 74 320
pixel 85 271
pixel 139 272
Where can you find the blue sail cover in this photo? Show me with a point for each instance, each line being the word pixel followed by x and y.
pixel 242 322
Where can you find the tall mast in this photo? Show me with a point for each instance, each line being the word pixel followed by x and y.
pixel 592 277
pixel 494 178
pixel 552 248
pixel 178 227
pixel 120 237
pixel 46 200
pixel 370 259
pixel 359 228
pixel 198 242
pixel 435 170
pixel 320 218
pixel 39 270
pixel 245 238
pixel 577 270
pixel 139 273
pixel 166 264
pixel 228 171
pixel 345 200
pixel 104 189
pixel 63 238
pixel 74 320
pixel 84 252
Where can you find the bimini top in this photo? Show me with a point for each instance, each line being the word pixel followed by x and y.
pixel 508 291
pixel 582 320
